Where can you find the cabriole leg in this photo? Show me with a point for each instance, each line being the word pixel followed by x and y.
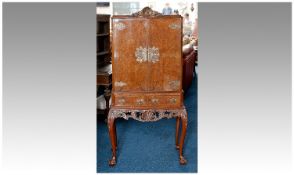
pixel 177 132
pixel 112 136
pixel 115 137
pixel 184 121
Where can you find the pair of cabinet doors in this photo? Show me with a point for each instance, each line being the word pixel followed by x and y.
pixel 146 54
pixel 147 62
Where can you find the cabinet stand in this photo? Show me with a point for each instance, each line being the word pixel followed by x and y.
pixel 150 115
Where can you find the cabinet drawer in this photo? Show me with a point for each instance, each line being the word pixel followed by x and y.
pixel 164 100
pixel 147 100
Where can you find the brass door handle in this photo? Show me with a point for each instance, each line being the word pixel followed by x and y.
pixel 149 54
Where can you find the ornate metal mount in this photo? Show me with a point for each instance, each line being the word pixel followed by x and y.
pixel 174 26
pixel 121 101
pixel 153 54
pixel 141 54
pixel 120 84
pixel 147 12
pixel 147 54
pixel 174 84
pixel 119 26
pixel 146 115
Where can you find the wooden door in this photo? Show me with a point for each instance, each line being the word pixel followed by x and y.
pixel 130 71
pixel 165 37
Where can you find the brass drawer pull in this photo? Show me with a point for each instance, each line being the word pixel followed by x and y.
pixel 140 101
pixel 173 100
pixel 154 100
pixel 121 101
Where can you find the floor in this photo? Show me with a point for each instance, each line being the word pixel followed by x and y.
pixel 150 146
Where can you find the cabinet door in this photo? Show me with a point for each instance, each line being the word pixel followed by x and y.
pixel 165 38
pixel 130 70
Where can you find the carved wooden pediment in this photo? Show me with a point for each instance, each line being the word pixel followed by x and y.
pixel 147 12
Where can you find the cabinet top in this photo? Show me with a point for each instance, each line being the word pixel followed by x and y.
pixel 147 12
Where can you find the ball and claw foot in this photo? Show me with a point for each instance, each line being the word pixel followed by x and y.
pixel 112 161
pixel 183 161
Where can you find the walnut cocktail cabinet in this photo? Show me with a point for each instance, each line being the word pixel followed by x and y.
pixel 147 72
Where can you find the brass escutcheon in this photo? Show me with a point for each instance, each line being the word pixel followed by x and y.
pixel 149 54
pixel 140 101
pixel 154 100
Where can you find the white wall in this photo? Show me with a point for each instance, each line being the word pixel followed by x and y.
pixel 157 5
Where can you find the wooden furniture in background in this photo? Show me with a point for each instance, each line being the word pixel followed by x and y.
pixel 104 69
pixel 189 57
pixel 147 72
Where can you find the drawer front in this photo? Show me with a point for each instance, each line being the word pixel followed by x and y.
pixel 147 100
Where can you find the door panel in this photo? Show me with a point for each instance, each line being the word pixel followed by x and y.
pixel 130 72
pixel 166 36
